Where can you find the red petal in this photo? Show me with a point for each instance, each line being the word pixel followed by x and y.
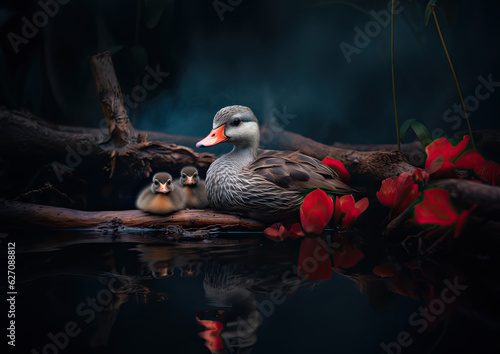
pixel 338 167
pixel 212 337
pixel 385 270
pixel 276 233
pixel 342 206
pixel 346 203
pixel 407 193
pixel 462 220
pixel 362 204
pixel 457 150
pixel 471 160
pixel 438 147
pixel 314 223
pixel 296 231
pixel 434 165
pixel 318 200
pixel 436 208
pixel 350 217
pixel 491 173
pixel 388 191
pixel 420 175
pixel 314 260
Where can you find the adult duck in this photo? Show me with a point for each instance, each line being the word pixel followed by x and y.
pixel 263 184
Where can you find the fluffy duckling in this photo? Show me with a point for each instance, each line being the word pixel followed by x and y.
pixel 193 188
pixel 161 197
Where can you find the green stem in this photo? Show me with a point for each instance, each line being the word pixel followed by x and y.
pixel 393 82
pixel 454 75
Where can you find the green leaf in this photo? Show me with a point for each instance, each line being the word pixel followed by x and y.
pixel 428 11
pixel 422 133
pixel 404 129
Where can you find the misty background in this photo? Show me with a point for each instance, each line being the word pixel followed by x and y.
pixel 263 54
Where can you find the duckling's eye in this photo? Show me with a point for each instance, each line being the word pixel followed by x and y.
pixel 236 122
pixel 156 183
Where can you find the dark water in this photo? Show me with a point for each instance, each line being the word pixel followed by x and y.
pixel 143 293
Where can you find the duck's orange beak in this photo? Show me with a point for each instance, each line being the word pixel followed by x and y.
pixel 190 181
pixel 215 137
pixel 163 188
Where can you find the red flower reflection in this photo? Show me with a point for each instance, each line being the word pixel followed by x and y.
pixel 398 193
pixel 338 167
pixel 437 209
pixel 441 156
pixel 347 254
pixel 316 211
pixel 278 232
pixel 314 259
pixel 347 210
pixel 212 334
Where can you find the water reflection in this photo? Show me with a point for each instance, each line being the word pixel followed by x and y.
pixel 243 296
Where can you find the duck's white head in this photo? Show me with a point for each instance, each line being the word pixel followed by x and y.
pixel 233 124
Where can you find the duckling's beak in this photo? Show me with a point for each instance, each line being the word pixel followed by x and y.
pixel 190 181
pixel 163 188
pixel 215 137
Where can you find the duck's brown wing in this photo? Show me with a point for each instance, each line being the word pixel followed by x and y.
pixel 296 171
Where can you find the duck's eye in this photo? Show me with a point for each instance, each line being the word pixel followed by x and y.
pixel 236 122
pixel 169 182
pixel 184 175
pixel 194 175
pixel 156 183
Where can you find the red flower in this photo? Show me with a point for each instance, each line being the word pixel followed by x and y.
pixel 347 210
pixel 212 335
pixel 347 254
pixel 490 172
pixel 338 167
pixel 437 209
pixel 296 231
pixel 420 176
pixel 316 211
pixel 314 259
pixel 398 193
pixel 276 232
pixel 470 160
pixel 441 156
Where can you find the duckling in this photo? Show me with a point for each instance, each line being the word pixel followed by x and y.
pixel 193 188
pixel 161 197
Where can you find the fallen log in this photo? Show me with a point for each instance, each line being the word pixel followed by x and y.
pixel 367 168
pixel 17 214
